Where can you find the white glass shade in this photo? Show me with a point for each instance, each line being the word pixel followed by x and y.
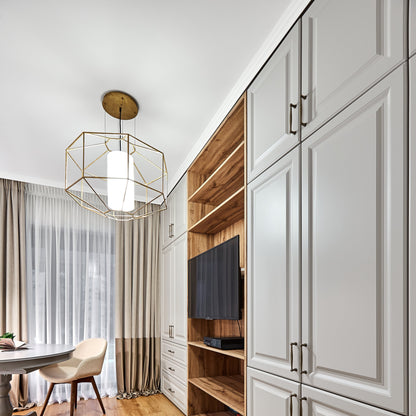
pixel 120 190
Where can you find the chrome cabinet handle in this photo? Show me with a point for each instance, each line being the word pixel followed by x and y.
pixel 302 371
pixel 172 391
pixel 171 369
pixel 171 229
pixel 291 404
pixel 171 331
pixel 291 107
pixel 172 352
pixel 292 344
pixel 303 97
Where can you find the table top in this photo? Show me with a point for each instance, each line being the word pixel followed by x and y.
pixel 33 357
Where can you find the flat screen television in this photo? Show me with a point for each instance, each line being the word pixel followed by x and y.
pixel 214 284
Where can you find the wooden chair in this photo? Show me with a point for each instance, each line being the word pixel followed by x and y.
pixel 86 362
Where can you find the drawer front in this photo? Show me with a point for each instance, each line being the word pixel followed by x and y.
pixel 174 369
pixel 174 352
pixel 174 391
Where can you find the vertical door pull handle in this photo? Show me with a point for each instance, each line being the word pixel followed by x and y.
pixel 302 371
pixel 291 107
pixel 292 344
pixel 301 405
pixel 291 404
pixel 303 97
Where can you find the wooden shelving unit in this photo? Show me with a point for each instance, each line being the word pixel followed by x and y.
pixel 226 389
pixel 216 213
pixel 231 353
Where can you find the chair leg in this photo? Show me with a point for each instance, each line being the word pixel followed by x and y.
pixel 97 393
pixel 74 386
pixel 76 396
pixel 48 396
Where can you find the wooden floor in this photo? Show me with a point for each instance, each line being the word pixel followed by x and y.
pixel 156 405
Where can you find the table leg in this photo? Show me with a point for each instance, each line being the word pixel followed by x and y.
pixel 6 408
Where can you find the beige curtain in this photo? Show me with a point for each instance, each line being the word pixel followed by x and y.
pixel 137 307
pixel 13 274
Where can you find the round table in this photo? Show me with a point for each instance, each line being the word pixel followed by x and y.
pixel 24 361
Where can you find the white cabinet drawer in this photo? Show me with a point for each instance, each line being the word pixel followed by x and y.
pixel 174 352
pixel 174 369
pixel 174 391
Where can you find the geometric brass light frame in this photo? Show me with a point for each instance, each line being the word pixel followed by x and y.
pixel 86 167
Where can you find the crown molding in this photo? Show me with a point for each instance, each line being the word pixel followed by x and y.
pixel 279 31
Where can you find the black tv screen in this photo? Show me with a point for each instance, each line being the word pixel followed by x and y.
pixel 214 282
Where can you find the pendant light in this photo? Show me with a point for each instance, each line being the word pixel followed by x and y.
pixel 115 174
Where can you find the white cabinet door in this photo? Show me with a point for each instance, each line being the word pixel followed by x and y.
pixel 320 403
pixel 180 211
pixel 354 246
pixel 174 219
pixel 166 222
pixel 273 268
pixel 180 301
pixel 166 295
pixel 346 47
pixel 412 27
pixel 270 133
pixel 271 395
pixel 412 239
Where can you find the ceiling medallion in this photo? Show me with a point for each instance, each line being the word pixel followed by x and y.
pixel 115 174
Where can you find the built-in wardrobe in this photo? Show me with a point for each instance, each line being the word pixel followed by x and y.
pixel 327 259
pixel 174 297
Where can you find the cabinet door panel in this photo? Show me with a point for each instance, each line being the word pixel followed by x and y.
pixel 353 236
pixel 273 267
pixel 166 221
pixel 180 212
pixel 412 239
pixel 320 403
pixel 166 298
pixel 269 134
pixel 270 395
pixel 412 27
pixel 347 46
pixel 180 290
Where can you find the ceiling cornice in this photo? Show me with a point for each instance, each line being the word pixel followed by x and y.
pixel 283 25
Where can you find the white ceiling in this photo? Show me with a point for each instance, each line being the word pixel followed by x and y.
pixel 181 59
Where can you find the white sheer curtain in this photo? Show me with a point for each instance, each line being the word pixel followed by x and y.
pixel 70 282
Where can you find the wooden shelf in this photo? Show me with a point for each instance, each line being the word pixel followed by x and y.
pixel 226 389
pixel 225 180
pixel 229 212
pixel 232 353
